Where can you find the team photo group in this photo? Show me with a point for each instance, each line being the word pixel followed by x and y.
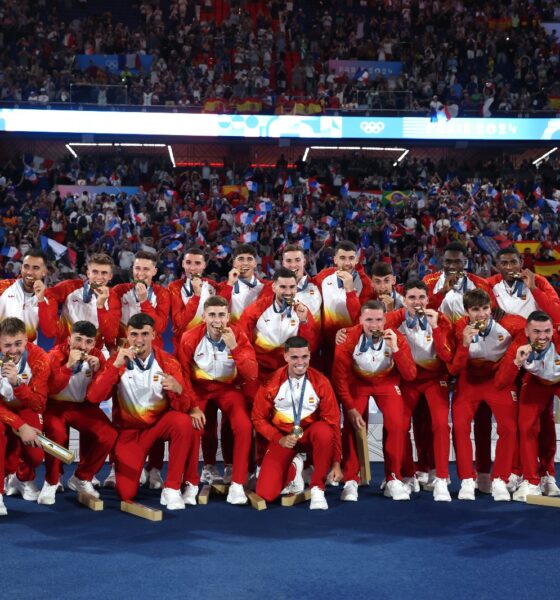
pixel 292 363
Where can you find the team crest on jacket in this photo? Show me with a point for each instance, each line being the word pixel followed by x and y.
pixel 156 377
pixel 24 376
pixel 500 338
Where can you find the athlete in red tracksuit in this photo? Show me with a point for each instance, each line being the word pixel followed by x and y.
pixel 445 290
pixel 150 404
pixel 24 298
pixel 297 411
pixel 537 351
pixel 383 283
pixel 520 292
pixel 371 362
pixel 428 334
pixel 89 300
pixel 215 365
pixel 189 294
pixel 344 288
pixel 23 395
pixel 72 368
pixel 144 296
pixel 481 342
pixel 270 321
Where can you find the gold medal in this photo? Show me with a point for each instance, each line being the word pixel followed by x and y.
pixel 297 431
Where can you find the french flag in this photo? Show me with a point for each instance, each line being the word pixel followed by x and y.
pixel 260 216
pixel 288 183
pixel 264 206
pixel 222 251
pixel 314 184
pixel 243 218
pixel 344 190
pixel 114 228
pixel 351 215
pixel 305 244
pixel 460 226
pixel 295 228
pixel 329 221
pixel 525 220
pixel 252 186
pixel 11 252
pixel 297 210
pixel 250 237
pixel 175 246
pixel 537 192
pixel 170 194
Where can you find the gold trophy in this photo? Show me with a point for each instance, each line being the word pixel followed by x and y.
pixel 54 449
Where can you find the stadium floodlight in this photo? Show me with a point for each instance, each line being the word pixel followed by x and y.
pixel 539 160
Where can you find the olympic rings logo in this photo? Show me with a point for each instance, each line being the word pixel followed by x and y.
pixel 374 127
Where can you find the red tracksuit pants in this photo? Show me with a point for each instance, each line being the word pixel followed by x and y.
pixel 535 406
pixel 94 427
pixel 235 409
pixel 19 459
pixel 133 446
pixel 277 470
pixel 390 401
pixel 503 404
pixel 436 393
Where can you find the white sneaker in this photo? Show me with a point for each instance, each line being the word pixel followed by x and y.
pixel 47 495
pixel 236 494
pixel 318 501
pixel 3 509
pixel 154 479
pixel 350 491
pixel 513 482
pixel 210 474
pixel 441 491
pixel 412 483
pixel 27 489
pixel 296 485
pixel 549 486
pixel 172 499
pixel 467 489
pixel 228 472
pixel 60 487
pixel 143 477
pixel 396 490
pixel 500 492
pixel 190 494
pixel 81 485
pixel 110 480
pixel 429 485
pixel 484 483
pixel 526 489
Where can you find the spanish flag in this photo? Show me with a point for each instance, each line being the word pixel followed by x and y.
pixel 547 268
pixel 533 246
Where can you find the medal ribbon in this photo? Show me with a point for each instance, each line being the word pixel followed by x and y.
pixel 367 343
pixel 297 412
pixel 411 323
pixel 537 355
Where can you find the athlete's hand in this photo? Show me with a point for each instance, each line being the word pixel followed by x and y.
pixel 336 473
pixel 74 356
pixel 196 283
pixel 10 372
pixel 468 334
pixel 102 294
pixel 521 355
pixel 141 291
pixel 39 288
pixel 301 312
pixel 229 338
pixel 529 278
pixel 123 355
pixel 432 317
pixel 288 441
pixel 347 280
pixel 233 276
pixel 198 418
pixel 356 419
pixel 390 338
pixel 93 362
pixel 340 336
pixel 388 301
pixel 170 384
pixel 28 435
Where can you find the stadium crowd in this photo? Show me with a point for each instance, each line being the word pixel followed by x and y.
pixel 474 57
pixel 404 215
